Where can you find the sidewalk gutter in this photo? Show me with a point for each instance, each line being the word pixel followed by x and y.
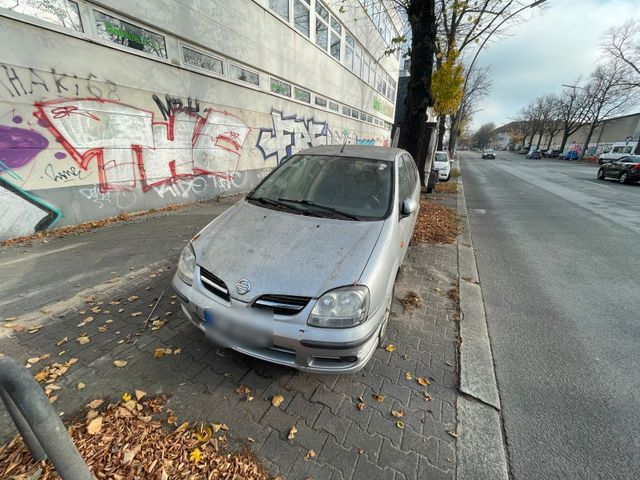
pixel 481 446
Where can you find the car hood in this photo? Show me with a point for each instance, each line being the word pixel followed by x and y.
pixel 284 253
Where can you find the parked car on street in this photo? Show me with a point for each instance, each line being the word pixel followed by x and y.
pixel 301 271
pixel 442 164
pixel 570 155
pixel 616 151
pixel 523 150
pixel 555 153
pixel 488 153
pixel 535 154
pixel 625 170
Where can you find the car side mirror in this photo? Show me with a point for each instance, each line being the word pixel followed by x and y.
pixel 409 206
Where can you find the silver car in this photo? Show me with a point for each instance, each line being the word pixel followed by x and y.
pixel 301 271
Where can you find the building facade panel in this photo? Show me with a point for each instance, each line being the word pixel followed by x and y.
pixel 129 108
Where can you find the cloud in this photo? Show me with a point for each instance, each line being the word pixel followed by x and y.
pixel 546 50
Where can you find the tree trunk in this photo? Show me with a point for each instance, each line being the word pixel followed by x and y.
pixel 539 141
pixel 565 137
pixel 454 132
pixel 588 139
pixel 550 140
pixel 413 134
pixel 442 128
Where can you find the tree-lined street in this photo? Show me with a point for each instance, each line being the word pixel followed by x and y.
pixel 557 260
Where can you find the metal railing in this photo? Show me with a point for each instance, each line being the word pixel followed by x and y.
pixel 40 426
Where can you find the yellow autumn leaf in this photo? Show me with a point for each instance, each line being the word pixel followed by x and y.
pixel 400 424
pixel 378 398
pixel 83 340
pixel 94 426
pixel 126 396
pixel 204 433
pixel 195 456
pixel 136 314
pixel 120 363
pixel 80 386
pixel 140 394
pixel 390 348
pixel 41 376
pixel 408 376
pixel 397 413
pixel 277 400
pixel 95 404
pixel 161 352
pixel 292 433
pixel 423 381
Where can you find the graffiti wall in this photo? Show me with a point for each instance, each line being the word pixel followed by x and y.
pixel 75 147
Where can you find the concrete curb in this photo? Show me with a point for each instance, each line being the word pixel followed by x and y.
pixel 480 445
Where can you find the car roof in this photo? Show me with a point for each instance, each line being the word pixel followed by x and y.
pixel 359 151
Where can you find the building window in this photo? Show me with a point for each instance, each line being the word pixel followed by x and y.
pixel 301 17
pixel 369 119
pixel 346 110
pixel 354 114
pixel 281 7
pixel 128 35
pixel 280 87
pixel 335 46
pixel 302 95
pixel 244 75
pixel 357 61
pixel 366 68
pixel 201 60
pixel 348 51
pixel 322 102
pixel 334 106
pixel 322 11
pixel 363 116
pixel 322 33
pixel 335 24
pixel 60 12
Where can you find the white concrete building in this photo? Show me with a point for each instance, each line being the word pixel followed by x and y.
pixel 128 105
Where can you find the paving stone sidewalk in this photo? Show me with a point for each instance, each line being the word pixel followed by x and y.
pixel 201 380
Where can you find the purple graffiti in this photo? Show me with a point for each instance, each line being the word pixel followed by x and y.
pixel 19 146
pixel 60 155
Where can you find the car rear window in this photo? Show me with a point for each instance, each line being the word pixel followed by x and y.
pixel 441 157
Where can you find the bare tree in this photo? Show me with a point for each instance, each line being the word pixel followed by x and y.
pixel 483 136
pixel 622 44
pixel 554 123
pixel 609 94
pixel 573 107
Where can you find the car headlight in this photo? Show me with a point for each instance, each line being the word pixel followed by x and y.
pixel 187 265
pixel 341 308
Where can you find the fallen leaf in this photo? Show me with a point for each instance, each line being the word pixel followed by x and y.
pixel 10 319
pixel 277 400
pixel 126 396
pixel 171 418
pixel 427 396
pixel 378 398
pixel 136 314
pixel 120 363
pixel 60 342
pixel 80 386
pixel 390 348
pixel 423 381
pixel 102 328
pixel 132 298
pixel 161 352
pixel 397 413
pixel 292 433
pixel 183 426
pixel 34 329
pixel 129 455
pixel 83 340
pixel 408 376
pixel 140 394
pixel 94 426
pixel 204 433
pixel 95 404
pixel 400 424
pixel 195 456
pixel 33 360
pixel 361 406
pixel 177 351
pixel 452 433
pixel 242 390
pixel 310 454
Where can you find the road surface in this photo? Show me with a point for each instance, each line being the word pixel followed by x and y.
pixel 559 262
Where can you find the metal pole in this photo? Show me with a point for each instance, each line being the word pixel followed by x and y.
pixel 35 417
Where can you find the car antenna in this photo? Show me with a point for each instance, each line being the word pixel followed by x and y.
pixel 344 144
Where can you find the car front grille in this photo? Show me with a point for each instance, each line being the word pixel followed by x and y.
pixel 282 304
pixel 214 284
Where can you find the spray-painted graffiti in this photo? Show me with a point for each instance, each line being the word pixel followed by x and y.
pixel 119 199
pixel 172 104
pixel 22 213
pixel 130 148
pixel 20 82
pixel 289 135
pixel 18 146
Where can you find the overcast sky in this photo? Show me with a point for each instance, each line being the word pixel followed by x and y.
pixel 550 48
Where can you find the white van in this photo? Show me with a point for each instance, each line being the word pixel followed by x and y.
pixel 616 151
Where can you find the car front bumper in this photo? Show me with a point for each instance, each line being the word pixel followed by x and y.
pixel 443 173
pixel 295 344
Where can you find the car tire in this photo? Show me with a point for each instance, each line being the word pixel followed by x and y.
pixel 601 174
pixel 624 177
pixel 447 179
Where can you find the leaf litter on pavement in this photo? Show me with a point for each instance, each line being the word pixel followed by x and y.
pixel 129 440
pixel 436 224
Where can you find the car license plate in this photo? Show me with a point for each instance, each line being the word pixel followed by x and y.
pixel 240 327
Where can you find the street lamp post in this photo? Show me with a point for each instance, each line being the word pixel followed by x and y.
pixel 475 57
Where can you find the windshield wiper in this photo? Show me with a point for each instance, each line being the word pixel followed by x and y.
pixel 274 203
pixel 322 207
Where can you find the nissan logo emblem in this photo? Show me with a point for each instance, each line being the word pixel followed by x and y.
pixel 243 286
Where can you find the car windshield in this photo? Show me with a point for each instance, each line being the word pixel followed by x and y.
pixel 338 187
pixel 441 157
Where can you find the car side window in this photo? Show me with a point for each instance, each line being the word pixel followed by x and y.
pixel 403 180
pixel 412 171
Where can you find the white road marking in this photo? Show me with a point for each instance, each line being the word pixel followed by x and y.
pixel 593 182
pixel 42 254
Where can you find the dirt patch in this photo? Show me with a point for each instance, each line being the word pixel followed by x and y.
pixel 446 187
pixel 436 224
pixel 455 173
pixel 411 301
pixel 131 439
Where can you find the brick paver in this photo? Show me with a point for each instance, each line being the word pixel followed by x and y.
pixel 200 381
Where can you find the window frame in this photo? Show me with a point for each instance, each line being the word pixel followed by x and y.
pixel 183 45
pixel 272 79
pixel 231 65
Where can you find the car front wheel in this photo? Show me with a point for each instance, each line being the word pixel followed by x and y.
pixel 601 174
pixel 624 177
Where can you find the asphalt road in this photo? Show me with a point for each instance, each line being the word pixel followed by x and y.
pixel 559 262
